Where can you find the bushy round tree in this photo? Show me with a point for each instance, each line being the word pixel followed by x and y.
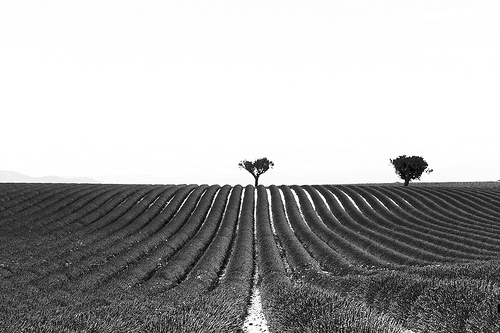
pixel 257 167
pixel 410 167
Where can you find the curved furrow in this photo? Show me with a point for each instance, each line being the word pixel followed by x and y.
pixel 25 198
pixel 110 211
pixel 82 225
pixel 66 205
pixel 337 220
pixel 146 226
pixel 270 265
pixel 239 269
pixel 167 210
pixel 300 261
pixel 419 203
pixel 15 201
pixel 491 192
pixel 470 204
pixel 217 307
pixel 404 221
pixel 269 259
pixel 391 226
pixel 207 271
pixel 21 242
pixel 92 242
pixel 12 196
pixel 370 249
pixel 231 296
pixel 131 216
pixel 71 222
pixel 233 293
pixel 462 206
pixel 352 218
pixel 119 249
pixel 9 190
pixel 488 198
pixel 61 241
pixel 480 198
pixel 284 300
pixel 435 206
pixel 236 284
pixel 329 259
pixel 289 271
pixel 177 267
pixel 105 222
pixel 49 205
pixel 29 208
pixel 15 231
pixel 409 213
pixel 77 227
pixel 347 243
pixel 437 220
pixel 87 202
pixel 320 258
pixel 138 217
pixel 144 258
pixel 27 229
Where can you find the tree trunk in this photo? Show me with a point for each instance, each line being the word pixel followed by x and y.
pixel 407 181
pixel 256 181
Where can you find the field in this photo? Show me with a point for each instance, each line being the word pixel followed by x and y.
pixel 189 258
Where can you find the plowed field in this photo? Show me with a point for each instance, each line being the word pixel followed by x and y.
pixel 188 258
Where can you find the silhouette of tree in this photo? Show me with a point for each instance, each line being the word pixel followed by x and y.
pixel 257 167
pixel 410 167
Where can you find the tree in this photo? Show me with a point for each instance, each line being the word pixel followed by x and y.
pixel 257 167
pixel 410 167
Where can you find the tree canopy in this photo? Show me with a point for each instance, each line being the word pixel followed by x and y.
pixel 257 167
pixel 410 167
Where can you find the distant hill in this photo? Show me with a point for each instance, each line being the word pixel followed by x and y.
pixel 16 177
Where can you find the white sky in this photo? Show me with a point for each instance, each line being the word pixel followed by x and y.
pixel 181 91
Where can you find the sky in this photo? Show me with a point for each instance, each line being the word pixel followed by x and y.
pixel 180 91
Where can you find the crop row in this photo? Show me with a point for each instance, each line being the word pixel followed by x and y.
pixel 343 228
pixel 197 248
